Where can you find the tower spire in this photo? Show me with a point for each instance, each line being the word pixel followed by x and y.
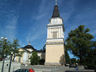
pixel 55 11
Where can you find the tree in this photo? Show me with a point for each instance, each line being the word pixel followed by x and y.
pixel 90 59
pixel 15 49
pixel 34 59
pixel 41 61
pixel 44 47
pixel 67 58
pixel 4 47
pixel 73 61
pixel 5 50
pixel 79 42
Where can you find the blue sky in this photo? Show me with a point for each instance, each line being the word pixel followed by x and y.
pixel 26 20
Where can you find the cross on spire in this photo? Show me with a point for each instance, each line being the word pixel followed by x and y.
pixel 56 2
pixel 28 42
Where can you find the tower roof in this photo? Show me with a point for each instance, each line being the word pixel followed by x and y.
pixel 55 12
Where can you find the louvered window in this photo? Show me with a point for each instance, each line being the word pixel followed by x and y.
pixel 54 34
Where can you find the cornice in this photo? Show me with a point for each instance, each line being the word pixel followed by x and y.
pixel 54 43
pixel 51 25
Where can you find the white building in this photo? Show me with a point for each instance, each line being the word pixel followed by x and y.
pixel 26 54
pixel 55 54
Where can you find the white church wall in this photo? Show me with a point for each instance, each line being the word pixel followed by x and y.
pixel 25 57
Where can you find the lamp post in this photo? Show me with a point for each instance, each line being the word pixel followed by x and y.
pixel 10 61
pixel 3 38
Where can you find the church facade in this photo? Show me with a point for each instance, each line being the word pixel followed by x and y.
pixel 26 53
pixel 55 54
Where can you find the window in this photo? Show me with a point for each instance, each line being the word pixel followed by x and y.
pixel 54 34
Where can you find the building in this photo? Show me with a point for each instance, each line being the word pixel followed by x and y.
pixel 26 53
pixel 55 54
pixel 55 40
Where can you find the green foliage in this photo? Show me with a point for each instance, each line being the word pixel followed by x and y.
pixel 44 48
pixel 15 50
pixel 90 60
pixel 74 61
pixel 67 58
pixel 79 42
pixel 34 58
pixel 41 61
pixel 4 47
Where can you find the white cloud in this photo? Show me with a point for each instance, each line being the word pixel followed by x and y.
pixel 31 37
pixel 35 34
pixel 40 16
pixel 9 29
pixel 37 31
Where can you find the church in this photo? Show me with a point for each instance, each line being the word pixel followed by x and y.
pixel 55 53
pixel 27 53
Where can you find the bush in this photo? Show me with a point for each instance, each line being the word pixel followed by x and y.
pixel 34 59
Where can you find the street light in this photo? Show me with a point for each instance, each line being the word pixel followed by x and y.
pixel 10 61
pixel 3 38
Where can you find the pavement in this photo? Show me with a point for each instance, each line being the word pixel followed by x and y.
pixel 42 68
pixel 14 66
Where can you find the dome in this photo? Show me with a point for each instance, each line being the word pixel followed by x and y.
pixel 29 47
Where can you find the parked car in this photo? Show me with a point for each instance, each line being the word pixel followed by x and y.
pixel 24 70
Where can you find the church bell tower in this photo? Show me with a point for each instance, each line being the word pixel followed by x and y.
pixel 55 54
